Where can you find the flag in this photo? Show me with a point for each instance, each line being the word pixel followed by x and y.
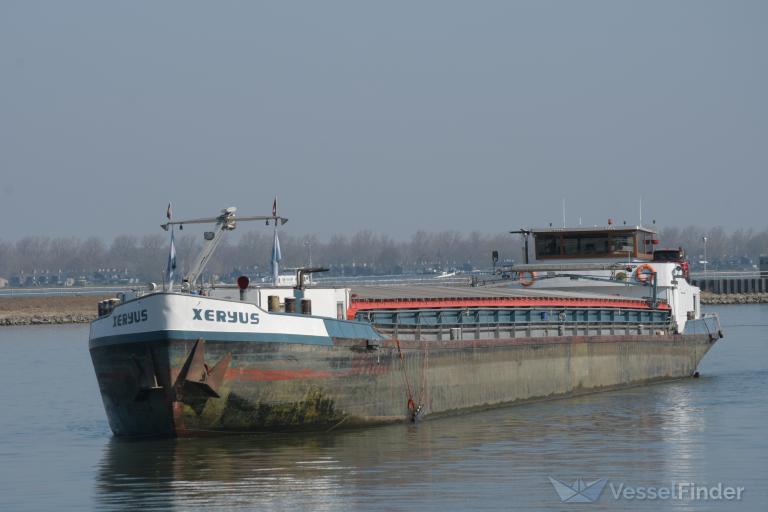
pixel 274 207
pixel 171 264
pixel 276 257
pixel 168 213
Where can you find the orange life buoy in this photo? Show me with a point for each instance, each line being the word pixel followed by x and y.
pixel 526 282
pixel 642 272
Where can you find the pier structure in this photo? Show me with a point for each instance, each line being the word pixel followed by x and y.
pixel 725 283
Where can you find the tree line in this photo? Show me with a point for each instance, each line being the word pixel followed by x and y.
pixel 364 253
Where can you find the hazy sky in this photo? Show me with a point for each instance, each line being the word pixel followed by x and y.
pixel 390 116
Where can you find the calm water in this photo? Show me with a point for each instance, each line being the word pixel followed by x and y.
pixel 57 453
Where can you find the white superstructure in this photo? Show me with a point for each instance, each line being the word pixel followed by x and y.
pixel 607 260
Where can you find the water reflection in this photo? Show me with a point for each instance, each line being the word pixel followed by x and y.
pixel 641 434
pixel 188 473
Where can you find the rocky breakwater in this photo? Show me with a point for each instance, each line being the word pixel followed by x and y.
pixel 45 319
pixel 48 310
pixel 734 298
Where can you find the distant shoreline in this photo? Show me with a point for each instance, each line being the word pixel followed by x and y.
pixel 82 309
pixel 36 310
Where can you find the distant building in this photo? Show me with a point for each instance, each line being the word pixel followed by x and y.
pixel 3 282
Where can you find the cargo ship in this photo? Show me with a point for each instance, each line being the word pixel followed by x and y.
pixel 590 312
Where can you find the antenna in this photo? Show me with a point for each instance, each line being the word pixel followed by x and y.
pixel 641 211
pixel 563 212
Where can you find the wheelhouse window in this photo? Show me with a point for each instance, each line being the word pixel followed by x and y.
pixel 548 245
pixel 592 245
pixel 580 244
pixel 647 243
pixel 623 244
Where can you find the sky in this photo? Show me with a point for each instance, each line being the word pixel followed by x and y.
pixel 385 116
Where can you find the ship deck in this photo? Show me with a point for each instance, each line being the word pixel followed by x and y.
pixel 415 297
pixel 450 312
pixel 421 291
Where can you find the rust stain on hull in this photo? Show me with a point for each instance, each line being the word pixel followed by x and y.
pixel 259 375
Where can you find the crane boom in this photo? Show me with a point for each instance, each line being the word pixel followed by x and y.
pixel 226 221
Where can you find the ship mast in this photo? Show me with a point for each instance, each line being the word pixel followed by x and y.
pixel 226 221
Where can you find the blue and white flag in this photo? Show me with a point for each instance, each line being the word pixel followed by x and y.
pixel 276 257
pixel 171 264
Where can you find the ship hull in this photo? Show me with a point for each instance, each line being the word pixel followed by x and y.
pixel 197 386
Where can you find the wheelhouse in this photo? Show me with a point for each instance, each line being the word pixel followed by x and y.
pixel 594 243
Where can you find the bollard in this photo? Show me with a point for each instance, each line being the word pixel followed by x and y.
pixel 273 303
pixel 306 306
pixel 290 305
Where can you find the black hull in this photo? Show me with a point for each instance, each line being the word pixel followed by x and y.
pixel 190 387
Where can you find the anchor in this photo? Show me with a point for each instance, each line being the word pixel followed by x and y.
pixel 197 382
pixel 147 376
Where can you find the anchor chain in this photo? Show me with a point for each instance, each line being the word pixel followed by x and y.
pixel 414 409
